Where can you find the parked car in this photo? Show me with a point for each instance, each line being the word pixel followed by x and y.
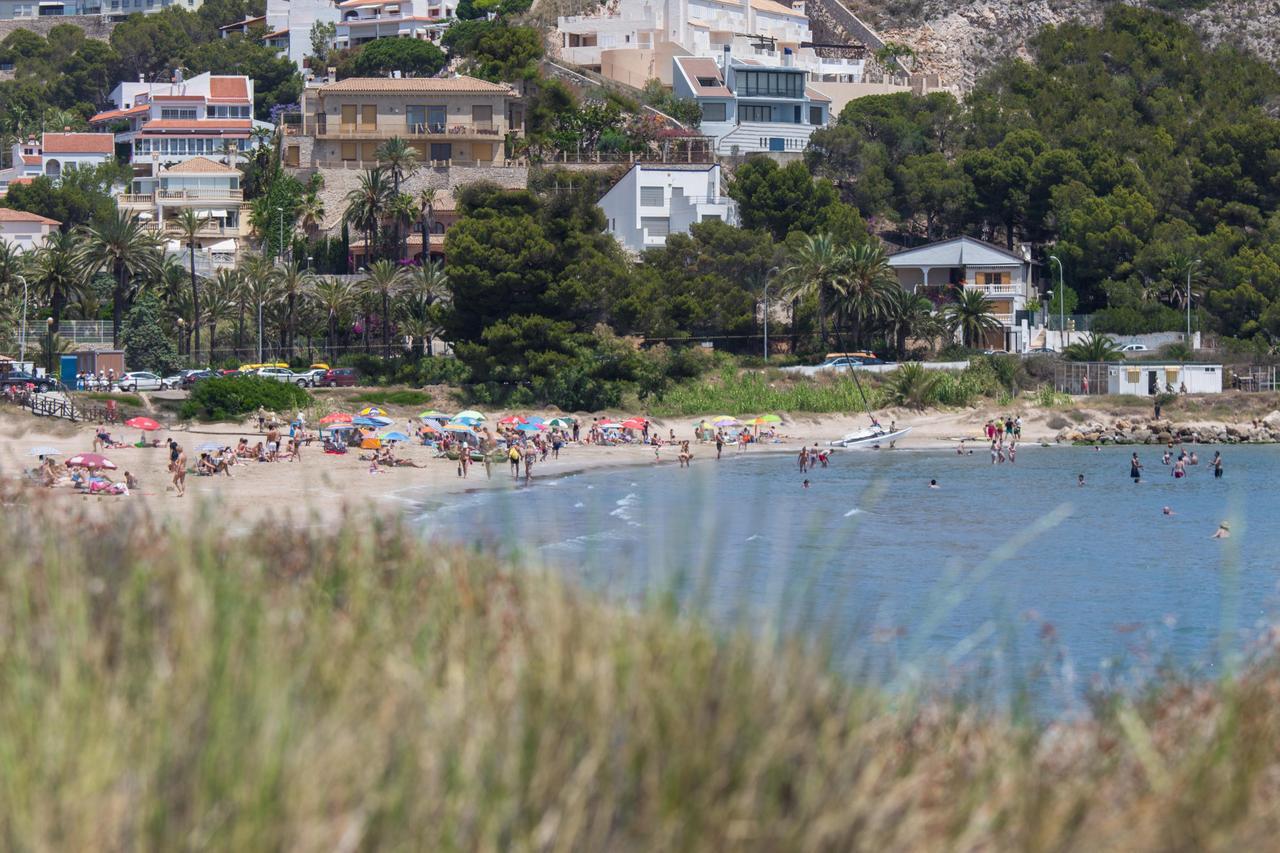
pixel 314 376
pixel 140 380
pixel 21 378
pixel 284 374
pixel 340 377
pixel 1134 348
pixel 191 377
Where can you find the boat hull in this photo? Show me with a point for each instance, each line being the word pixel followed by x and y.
pixel 855 440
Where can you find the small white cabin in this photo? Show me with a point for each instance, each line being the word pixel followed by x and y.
pixel 1149 379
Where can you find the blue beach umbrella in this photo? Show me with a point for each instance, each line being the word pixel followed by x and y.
pixel 392 435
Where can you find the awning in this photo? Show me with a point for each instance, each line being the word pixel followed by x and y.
pixel 145 217
pixel 216 214
pixel 174 246
pixel 223 246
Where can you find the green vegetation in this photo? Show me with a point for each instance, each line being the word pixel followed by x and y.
pixel 307 688
pixel 393 398
pixel 103 397
pixel 1096 348
pixel 1132 147
pixel 230 398
pixel 146 346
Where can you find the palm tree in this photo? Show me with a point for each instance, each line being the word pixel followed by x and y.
pixel 815 268
pixel 427 218
pixel 401 210
pixel 189 223
pixel 334 297
pixel 865 284
pixel 913 386
pixel 311 214
pixel 427 289
pixel 401 160
pixel 12 267
pixel 257 291
pixel 971 313
pixel 366 205
pixel 222 298
pixel 384 281
pixel 293 281
pixel 1096 348
pixel 125 245
pixel 56 274
pixel 907 315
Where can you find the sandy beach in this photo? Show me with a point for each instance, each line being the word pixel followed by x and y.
pixel 320 487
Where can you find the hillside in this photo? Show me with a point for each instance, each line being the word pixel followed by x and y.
pixel 961 39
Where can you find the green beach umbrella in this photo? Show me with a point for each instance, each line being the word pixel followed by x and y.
pixel 433 414
pixel 470 413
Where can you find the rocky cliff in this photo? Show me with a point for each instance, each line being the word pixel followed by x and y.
pixel 958 39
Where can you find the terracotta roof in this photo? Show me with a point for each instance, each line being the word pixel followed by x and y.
pixel 245 23
pixel 78 143
pixel 31 159
pixel 200 166
pixel 815 95
pixel 8 215
pixel 23 180
pixel 228 88
pixel 694 67
pixel 212 125
pixel 775 8
pixel 277 33
pixel 461 85
pixel 109 115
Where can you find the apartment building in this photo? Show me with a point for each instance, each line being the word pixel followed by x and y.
pixel 653 201
pixel 163 124
pixel 212 190
pixel 634 41
pixel 363 21
pixel 49 155
pixel 1004 277
pixel 748 107
pixel 454 121
pixel 23 231
pixel 116 9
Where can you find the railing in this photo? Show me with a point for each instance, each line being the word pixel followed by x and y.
pixel 365 165
pixel 998 289
pixel 75 331
pixel 211 229
pixel 430 130
pixel 201 195
pixel 146 199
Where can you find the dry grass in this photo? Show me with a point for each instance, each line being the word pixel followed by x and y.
pixel 355 689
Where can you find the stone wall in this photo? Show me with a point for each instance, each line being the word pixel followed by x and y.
pixel 94 26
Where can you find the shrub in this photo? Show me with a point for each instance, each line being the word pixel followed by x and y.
pixel 914 386
pixel 145 344
pixel 393 398
pixel 227 398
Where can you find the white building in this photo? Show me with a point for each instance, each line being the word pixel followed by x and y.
pixel 166 123
pixel 1146 379
pixel 49 155
pixel 363 21
pixel 1004 277
pixel 23 231
pixel 210 189
pixel 652 201
pixel 748 107
pixel 634 41
pixel 112 9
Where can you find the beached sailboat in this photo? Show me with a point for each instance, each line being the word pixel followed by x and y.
pixel 872 436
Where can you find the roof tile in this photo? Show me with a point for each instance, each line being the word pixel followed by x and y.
pixel 461 85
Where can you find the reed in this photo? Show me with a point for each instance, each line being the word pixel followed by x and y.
pixel 172 687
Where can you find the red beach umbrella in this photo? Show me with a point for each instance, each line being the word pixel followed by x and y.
pixel 144 424
pixel 90 460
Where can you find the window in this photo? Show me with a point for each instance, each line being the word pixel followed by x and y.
pixel 348 151
pixel 993 278
pixel 178 114
pixel 416 118
pixel 815 116
pixel 652 196
pixel 436 118
pixel 368 116
pixel 655 226
pixel 348 118
pixel 482 116
pixel 708 81
pixel 713 112
pixel 778 84
pixel 441 151
pixel 754 112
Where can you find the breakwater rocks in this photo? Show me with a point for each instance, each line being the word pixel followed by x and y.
pixel 1165 431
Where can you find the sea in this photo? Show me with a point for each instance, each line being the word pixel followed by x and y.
pixel 1008 582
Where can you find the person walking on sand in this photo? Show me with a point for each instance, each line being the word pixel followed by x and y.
pixel 1135 469
pixel 1217 465
pixel 178 467
pixel 719 443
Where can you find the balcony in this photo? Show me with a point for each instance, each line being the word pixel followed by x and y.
pixel 186 198
pixel 212 229
pixel 1015 289
pixel 441 165
pixel 136 200
pixel 428 130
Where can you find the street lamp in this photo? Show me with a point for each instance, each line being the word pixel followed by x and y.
pixel 22 341
pixel 182 334
pixel 767 281
pixel 1189 266
pixel 280 254
pixel 1062 305
pixel 48 355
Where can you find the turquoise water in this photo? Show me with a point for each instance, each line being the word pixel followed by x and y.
pixel 1007 576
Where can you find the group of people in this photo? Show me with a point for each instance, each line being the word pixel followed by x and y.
pixel 1177 465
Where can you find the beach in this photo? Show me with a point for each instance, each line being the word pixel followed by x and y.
pixel 321 487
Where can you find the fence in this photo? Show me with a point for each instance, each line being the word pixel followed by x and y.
pixel 1081 377
pixel 1254 377
pixel 60 406
pixel 75 331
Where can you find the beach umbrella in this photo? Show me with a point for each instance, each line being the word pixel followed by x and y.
pixel 471 414
pixel 392 435
pixel 724 421
pixel 336 418
pixel 530 427
pixel 429 428
pixel 633 423
pixel 90 460
pixel 465 419
pixel 44 451
pixel 372 411
pixel 434 415
pixel 535 419
pixel 560 423
pixel 209 447
pixel 767 419
pixel 374 421
pixel 457 427
pixel 513 419
pixel 144 424
pixel 609 425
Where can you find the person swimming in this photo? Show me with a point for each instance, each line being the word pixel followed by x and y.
pixel 933 484
pixel 1135 469
pixel 1223 531
pixel 1167 511
pixel 1080 479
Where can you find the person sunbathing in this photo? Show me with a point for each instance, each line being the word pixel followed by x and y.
pixel 206 467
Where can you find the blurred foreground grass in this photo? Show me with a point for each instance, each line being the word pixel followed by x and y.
pixel 169 689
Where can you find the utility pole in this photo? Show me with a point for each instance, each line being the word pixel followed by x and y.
pixel 1189 266
pixel 1062 306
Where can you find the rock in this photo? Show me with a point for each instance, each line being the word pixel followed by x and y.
pixel 1272 421
pixel 1165 437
